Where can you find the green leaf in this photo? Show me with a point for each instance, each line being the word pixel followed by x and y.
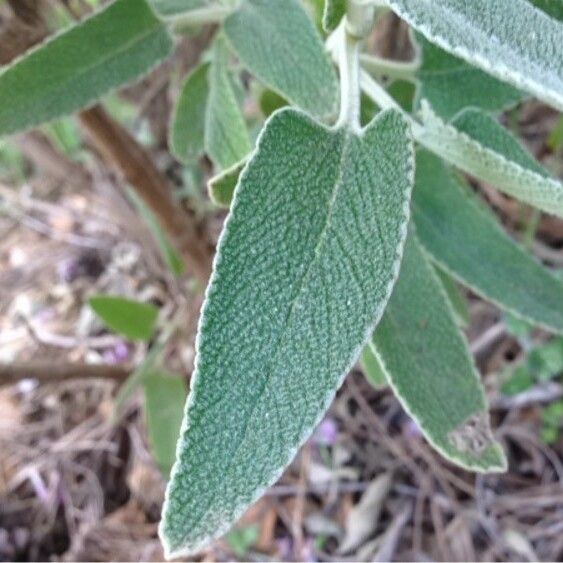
pixel 226 136
pixel 553 8
pixel 132 319
pixel 478 145
pixel 165 396
pixel 372 368
pixel 187 129
pixel 450 84
pixel 278 43
pixel 270 101
pixel 333 13
pixel 222 187
pixel 173 8
pixel 467 241
pixel 456 298
pixel 427 363
pixel 240 540
pixel 73 69
pixel 509 39
pixel 304 269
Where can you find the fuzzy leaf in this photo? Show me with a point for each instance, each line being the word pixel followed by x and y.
pixel 226 136
pixel 450 84
pixel 372 368
pixel 509 39
pixel 132 319
pixel 278 43
pixel 74 68
pixel 165 395
pixel 466 240
pixel 333 13
pixel 187 130
pixel 427 363
pixel 305 267
pixel 457 300
pixel 478 145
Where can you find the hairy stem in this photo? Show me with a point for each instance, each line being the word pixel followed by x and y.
pixel 398 70
pixel 349 81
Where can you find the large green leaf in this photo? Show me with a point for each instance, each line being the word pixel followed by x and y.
pixel 278 43
pixel 305 266
pixel 450 84
pixel 477 144
pixel 165 395
pixel 226 136
pixel 509 39
pixel 73 69
pixel 132 319
pixel 554 8
pixel 427 363
pixel 187 130
pixel 465 239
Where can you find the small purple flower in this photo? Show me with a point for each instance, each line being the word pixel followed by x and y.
pixel 326 433
pixel 118 354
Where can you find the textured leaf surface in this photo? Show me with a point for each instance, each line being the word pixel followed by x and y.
pixel 457 299
pixel 333 13
pixel 427 363
pixel 278 43
pixel 372 368
pixel 478 145
pixel 226 136
pixel 188 122
pixel 74 68
pixel 132 319
pixel 509 39
pixel 465 238
pixel 305 266
pixel 165 395
pixel 450 84
pixel 222 187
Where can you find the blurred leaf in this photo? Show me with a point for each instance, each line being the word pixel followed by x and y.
pixel 403 92
pixel 226 136
pixel 521 380
pixel 450 84
pixel 240 540
pixel 71 70
pixel 555 139
pixel 333 13
pixel 64 132
pixel 171 258
pixel 222 187
pixel 173 8
pixel 132 319
pixel 553 8
pixel 427 364
pixel 466 240
pixel 456 298
pixel 165 396
pixel 517 326
pixel 372 368
pixel 187 129
pixel 263 34
pixel 271 101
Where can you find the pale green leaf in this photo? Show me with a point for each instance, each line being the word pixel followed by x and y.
pixel 305 266
pixel 509 39
pixel 173 8
pixel 457 300
pixel 466 240
pixel 226 136
pixel 427 363
pixel 278 43
pixel 74 68
pixel 372 368
pixel 478 145
pixel 187 130
pixel 165 396
pixel 450 84
pixel 222 187
pixel 132 319
pixel 333 13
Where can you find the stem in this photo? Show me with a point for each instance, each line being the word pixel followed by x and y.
pixel 349 81
pixel 398 70
pixel 200 16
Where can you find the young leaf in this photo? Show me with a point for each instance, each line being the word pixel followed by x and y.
pixel 450 84
pixel 478 145
pixel 278 43
pixel 132 319
pixel 509 39
pixel 427 363
pixel 78 66
pixel 372 368
pixel 226 136
pixel 165 396
pixel 305 267
pixel 467 241
pixel 222 187
pixel 333 13
pixel 188 122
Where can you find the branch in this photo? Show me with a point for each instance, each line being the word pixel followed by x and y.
pixel 134 163
pixel 45 373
